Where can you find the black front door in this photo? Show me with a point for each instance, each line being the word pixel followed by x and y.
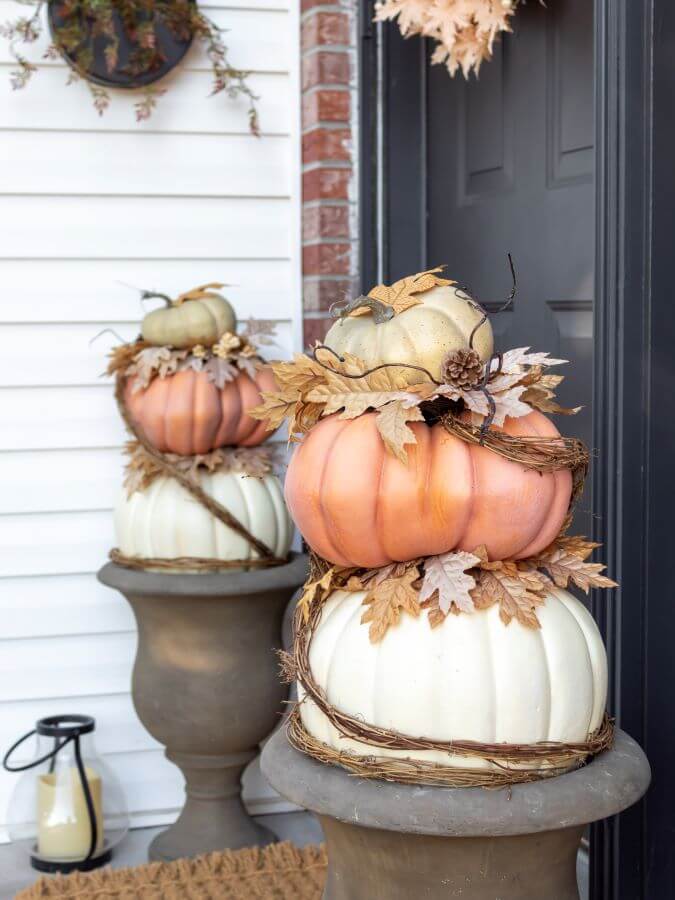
pixel 562 153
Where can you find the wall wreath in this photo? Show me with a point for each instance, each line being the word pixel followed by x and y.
pixel 124 44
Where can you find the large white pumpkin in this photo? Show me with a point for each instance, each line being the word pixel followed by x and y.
pixel 471 678
pixel 165 521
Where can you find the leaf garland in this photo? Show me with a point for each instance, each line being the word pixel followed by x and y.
pixel 230 356
pixel 311 387
pixel 459 582
pixel 141 469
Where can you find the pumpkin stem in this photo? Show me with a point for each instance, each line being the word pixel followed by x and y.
pixel 148 295
pixel 381 312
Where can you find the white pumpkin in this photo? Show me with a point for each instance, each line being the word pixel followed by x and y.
pixel 471 678
pixel 422 335
pixel 165 521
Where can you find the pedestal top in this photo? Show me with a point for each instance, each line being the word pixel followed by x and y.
pixel 206 584
pixel 610 783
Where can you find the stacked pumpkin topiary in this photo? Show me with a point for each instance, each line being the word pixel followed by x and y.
pixel 201 494
pixel 436 640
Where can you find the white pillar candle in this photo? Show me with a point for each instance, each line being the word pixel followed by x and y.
pixel 64 829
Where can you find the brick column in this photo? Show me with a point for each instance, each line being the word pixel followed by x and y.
pixel 329 201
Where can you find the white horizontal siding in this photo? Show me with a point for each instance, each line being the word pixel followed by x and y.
pixel 93 209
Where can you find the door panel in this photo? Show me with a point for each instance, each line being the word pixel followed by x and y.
pixel 510 169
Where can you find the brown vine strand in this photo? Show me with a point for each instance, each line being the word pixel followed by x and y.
pixel 368 371
pixel 540 453
pixel 216 509
pixel 202 564
pixel 352 727
pixel 417 771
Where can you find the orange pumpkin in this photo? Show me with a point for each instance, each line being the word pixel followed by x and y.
pixel 356 504
pixel 186 413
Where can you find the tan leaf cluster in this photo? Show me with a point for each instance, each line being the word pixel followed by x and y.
pixel 464 29
pixel 566 561
pixel 447 586
pixel 517 591
pixel 142 469
pixel 387 600
pixel 403 294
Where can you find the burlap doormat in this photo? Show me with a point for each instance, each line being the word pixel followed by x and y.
pixel 278 872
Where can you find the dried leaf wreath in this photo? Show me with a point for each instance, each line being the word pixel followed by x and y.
pixel 86 21
pixel 222 362
pixel 464 29
pixel 321 384
pixel 458 582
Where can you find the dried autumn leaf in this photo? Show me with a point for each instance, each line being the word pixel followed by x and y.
pixel 219 371
pixel 542 399
pixel 316 590
pixel 509 405
pixel 402 294
pixel 275 408
pixel 387 601
pixel 565 561
pixel 392 424
pixel 301 374
pixel 511 593
pixel 515 361
pixel 447 576
pixel 353 404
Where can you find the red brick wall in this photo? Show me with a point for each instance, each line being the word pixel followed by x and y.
pixel 328 159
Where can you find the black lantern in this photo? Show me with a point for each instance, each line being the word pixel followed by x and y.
pixel 68 807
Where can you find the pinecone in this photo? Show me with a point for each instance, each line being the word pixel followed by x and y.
pixel 462 368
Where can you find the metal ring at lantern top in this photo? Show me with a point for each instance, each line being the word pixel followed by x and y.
pixel 172 48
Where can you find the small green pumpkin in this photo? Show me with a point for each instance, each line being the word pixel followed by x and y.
pixel 198 317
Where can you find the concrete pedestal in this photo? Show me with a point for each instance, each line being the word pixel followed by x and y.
pixel 389 841
pixel 205 684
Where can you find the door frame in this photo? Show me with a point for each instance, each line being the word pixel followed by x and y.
pixel 634 367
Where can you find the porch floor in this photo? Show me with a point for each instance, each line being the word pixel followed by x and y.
pixel 16 873
pixel 300 827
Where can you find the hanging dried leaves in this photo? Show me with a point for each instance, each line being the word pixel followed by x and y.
pixel 464 29
pixel 392 423
pixel 460 583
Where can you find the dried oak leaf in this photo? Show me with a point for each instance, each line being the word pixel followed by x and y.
pixel 543 399
pixel 386 602
pixel 503 585
pixel 392 423
pixel 446 585
pixel 516 361
pixel 276 407
pixel 219 371
pixel 402 294
pixel 146 365
pixel 299 374
pixel 316 590
pixel 565 561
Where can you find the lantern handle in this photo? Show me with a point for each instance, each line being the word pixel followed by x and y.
pixel 36 762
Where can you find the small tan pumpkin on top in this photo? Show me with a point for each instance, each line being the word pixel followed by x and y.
pixel 200 316
pixel 441 320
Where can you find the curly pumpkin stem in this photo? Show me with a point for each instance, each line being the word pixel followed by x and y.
pixel 381 312
pixel 149 295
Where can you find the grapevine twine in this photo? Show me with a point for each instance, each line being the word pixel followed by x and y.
pixel 266 556
pixel 544 759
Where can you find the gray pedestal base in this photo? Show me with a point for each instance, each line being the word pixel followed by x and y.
pixel 390 841
pixel 205 684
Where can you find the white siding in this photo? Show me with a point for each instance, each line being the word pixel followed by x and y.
pixel 88 206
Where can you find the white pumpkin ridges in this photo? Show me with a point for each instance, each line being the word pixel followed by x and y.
pixel 165 521
pixel 472 678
